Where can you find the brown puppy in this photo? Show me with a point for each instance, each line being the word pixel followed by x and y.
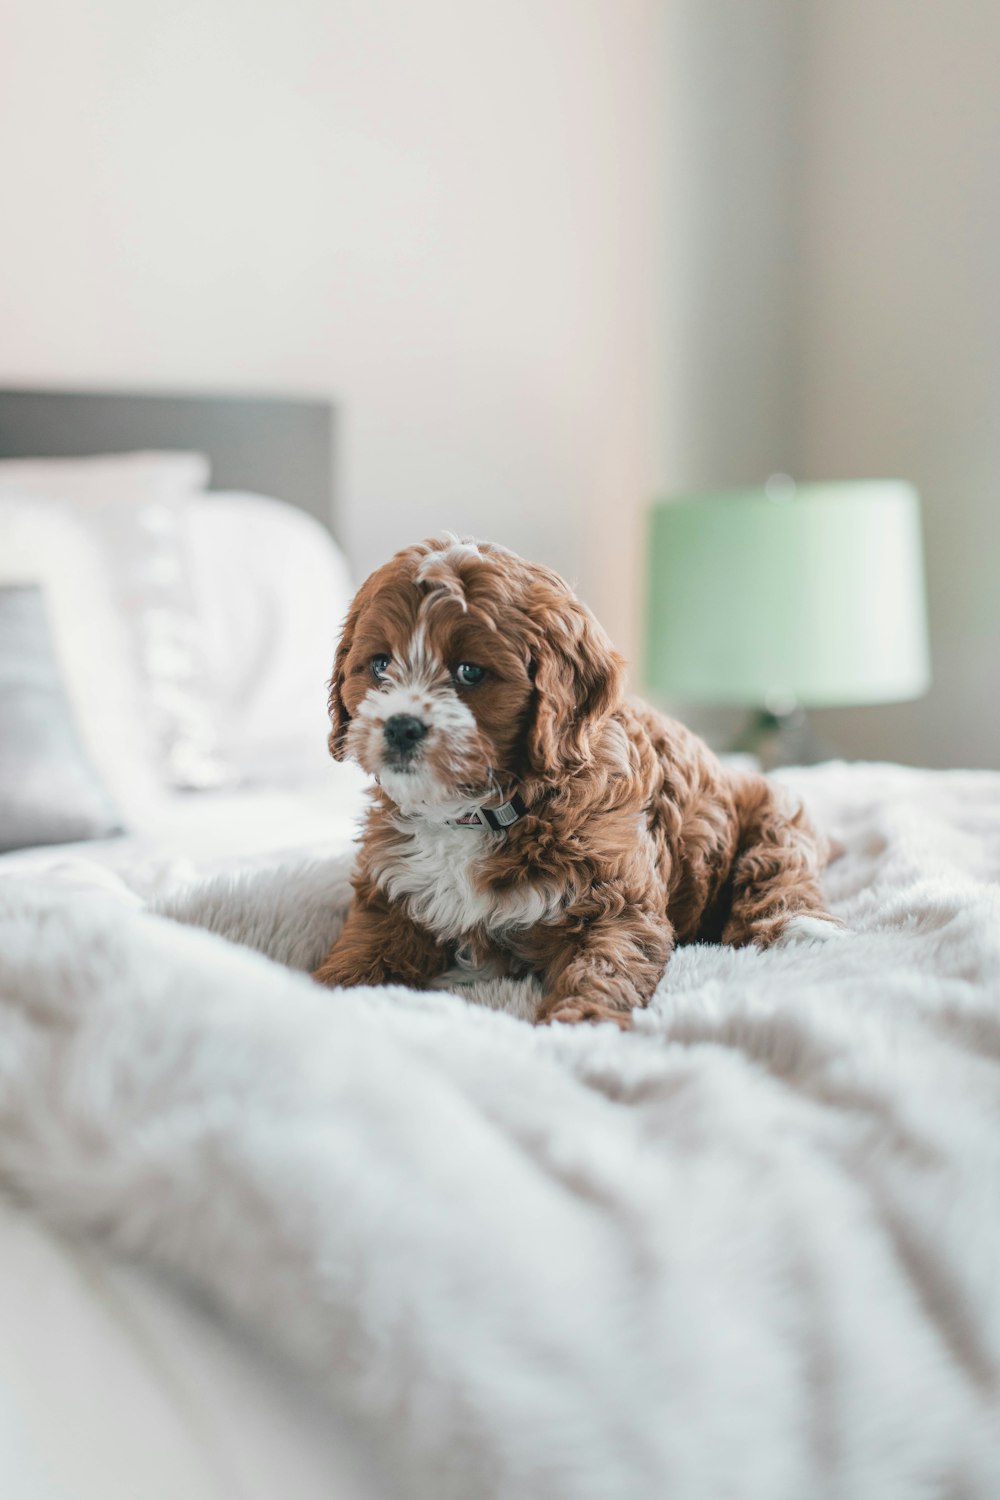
pixel 526 816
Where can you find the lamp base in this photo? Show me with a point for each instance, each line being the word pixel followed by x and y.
pixel 782 739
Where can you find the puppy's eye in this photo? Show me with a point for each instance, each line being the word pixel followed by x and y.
pixel 380 665
pixel 467 674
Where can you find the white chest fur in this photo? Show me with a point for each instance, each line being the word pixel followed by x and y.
pixel 437 872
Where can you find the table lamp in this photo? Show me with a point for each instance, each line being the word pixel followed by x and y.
pixel 787 598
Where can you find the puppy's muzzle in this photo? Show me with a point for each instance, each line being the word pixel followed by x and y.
pixel 403 733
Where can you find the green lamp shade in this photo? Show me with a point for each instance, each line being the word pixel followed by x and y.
pixel 810 595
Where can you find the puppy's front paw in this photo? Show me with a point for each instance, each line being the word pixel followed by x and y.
pixel 802 931
pixel 572 1010
pixel 340 974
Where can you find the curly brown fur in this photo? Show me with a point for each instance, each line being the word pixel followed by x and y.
pixel 636 837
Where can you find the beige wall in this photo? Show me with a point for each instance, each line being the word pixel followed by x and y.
pixel 900 322
pixel 728 343
pixel 834 263
pixel 439 213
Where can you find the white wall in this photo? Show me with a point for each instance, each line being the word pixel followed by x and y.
pixel 438 213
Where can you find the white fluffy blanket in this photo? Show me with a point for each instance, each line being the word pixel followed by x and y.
pixel 750 1250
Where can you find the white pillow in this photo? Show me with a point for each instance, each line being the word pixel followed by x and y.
pixel 134 477
pixel 273 589
pixel 135 505
pixel 46 544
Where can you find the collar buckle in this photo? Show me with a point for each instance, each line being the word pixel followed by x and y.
pixel 495 818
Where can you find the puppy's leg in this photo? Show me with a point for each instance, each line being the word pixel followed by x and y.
pixel 380 945
pixel 776 895
pixel 607 969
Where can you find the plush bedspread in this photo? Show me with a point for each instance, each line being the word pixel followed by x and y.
pixel 750 1250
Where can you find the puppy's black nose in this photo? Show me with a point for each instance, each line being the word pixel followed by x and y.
pixel 403 733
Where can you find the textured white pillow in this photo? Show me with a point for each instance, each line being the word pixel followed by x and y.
pixel 273 589
pixel 46 544
pixel 135 505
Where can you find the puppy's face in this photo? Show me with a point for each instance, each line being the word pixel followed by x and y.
pixel 461 671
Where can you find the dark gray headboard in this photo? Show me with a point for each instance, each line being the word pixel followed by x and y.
pixel 272 446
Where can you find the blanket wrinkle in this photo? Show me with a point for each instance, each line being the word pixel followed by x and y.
pixel 938 1292
pixel 748 1249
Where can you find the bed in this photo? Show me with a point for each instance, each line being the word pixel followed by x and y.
pixel 111 1384
pixel 259 1238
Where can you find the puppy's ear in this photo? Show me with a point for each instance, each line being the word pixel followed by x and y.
pixel 579 679
pixel 339 717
